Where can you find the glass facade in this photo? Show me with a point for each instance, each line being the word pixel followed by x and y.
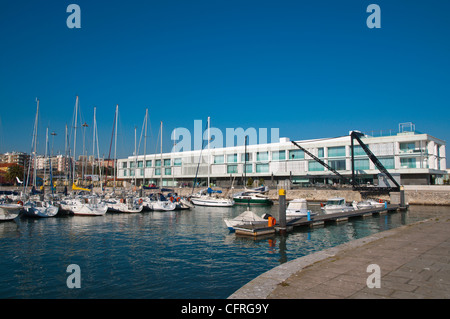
pixel 218 159
pixel 358 150
pixel 314 166
pixel 279 156
pixel 232 158
pixel 387 162
pixel 408 162
pixel 262 156
pixel 296 154
pixel 262 168
pixel 232 169
pixel 361 164
pixel 338 151
pixel 338 165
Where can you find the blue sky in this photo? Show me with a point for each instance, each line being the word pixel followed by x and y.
pixel 310 68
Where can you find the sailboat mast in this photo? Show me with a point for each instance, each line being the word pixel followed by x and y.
pixel 160 175
pixel 45 158
pixel 75 141
pixel 93 143
pixel 135 158
pixel 115 148
pixel 35 143
pixel 209 153
pixel 145 146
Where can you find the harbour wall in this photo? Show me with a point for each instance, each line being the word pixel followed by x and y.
pixel 415 194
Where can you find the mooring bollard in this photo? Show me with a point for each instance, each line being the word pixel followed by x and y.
pixel 282 210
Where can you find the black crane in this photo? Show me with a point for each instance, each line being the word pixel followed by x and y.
pixel 356 135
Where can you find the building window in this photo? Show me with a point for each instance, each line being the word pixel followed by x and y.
pixel 141 171
pixel 361 164
pixel 296 154
pixel 140 164
pixel 408 162
pixel 232 169
pixel 167 171
pixel 358 150
pixel 320 152
pixel 167 162
pixel 157 171
pixel 124 172
pixel 157 163
pixel 132 172
pixel 218 159
pixel 262 156
pixel 247 158
pixel 338 165
pixel 124 165
pixel 148 163
pixel 177 162
pixel 337 151
pixel 248 168
pixel 232 158
pixel 315 166
pixel 262 168
pixel 132 165
pixel 279 156
pixel 387 162
pixel 407 147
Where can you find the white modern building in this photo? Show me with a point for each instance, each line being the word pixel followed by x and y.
pixel 418 158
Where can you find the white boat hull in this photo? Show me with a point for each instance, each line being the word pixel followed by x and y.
pixel 44 211
pixel 212 202
pixel 79 208
pixel 246 218
pixel 9 211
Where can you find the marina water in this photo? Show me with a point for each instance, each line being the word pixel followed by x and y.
pixel 184 254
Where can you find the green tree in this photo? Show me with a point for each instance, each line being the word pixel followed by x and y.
pixel 13 172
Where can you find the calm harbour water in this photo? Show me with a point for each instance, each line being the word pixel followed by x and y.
pixel 186 254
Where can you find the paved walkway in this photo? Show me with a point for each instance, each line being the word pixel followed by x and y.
pixel 414 262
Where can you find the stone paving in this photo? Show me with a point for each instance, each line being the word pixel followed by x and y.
pixel 414 262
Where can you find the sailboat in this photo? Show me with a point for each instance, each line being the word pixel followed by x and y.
pixel 38 207
pixel 206 197
pixel 255 196
pixel 85 205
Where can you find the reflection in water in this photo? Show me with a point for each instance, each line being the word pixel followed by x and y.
pixel 188 254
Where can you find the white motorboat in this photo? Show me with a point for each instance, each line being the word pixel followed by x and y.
pixel 87 206
pixel 376 203
pixel 39 208
pixel 246 218
pixel 9 211
pixel 337 205
pixel 298 208
pixel 370 203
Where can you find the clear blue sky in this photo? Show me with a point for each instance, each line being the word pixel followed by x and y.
pixel 310 68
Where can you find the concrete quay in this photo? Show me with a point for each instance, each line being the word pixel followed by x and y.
pixel 414 263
